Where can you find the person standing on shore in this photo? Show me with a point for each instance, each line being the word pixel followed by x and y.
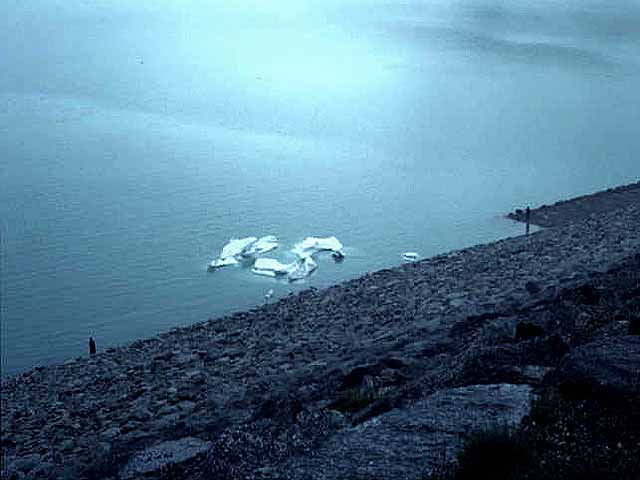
pixel 92 346
pixel 527 218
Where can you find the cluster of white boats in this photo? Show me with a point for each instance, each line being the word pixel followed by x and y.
pixel 250 249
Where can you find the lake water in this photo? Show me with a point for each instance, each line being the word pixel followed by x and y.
pixel 136 140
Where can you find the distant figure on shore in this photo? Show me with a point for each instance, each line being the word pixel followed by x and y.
pixel 92 346
pixel 527 218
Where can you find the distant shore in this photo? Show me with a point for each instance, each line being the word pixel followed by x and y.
pixel 579 208
pixel 187 388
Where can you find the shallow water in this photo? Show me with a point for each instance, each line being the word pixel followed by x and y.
pixel 135 141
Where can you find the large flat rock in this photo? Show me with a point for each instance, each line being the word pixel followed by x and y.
pixel 410 443
pixel 154 458
pixel 608 366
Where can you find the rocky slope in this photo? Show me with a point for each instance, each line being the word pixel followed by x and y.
pixel 580 208
pixel 379 377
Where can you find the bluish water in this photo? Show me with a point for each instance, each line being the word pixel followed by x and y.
pixel 136 140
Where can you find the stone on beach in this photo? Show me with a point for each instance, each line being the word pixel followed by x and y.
pixel 610 365
pixel 412 442
pixel 153 459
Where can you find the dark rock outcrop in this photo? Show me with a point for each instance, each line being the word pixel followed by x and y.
pixel 605 367
pixel 415 441
pixel 526 330
pixel 158 457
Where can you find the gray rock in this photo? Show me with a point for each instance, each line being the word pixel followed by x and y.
pixel 154 458
pixel 110 433
pixel 507 363
pixel 26 462
pixel 611 365
pixel 634 326
pixel 356 377
pixel 263 446
pixel 532 287
pixel 527 330
pixel 67 444
pixel 413 442
pixel 187 406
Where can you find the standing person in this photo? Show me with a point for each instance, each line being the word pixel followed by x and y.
pixel 527 217
pixel 92 346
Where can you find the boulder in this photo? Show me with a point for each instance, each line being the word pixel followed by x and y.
pixel 159 456
pixel 588 294
pixel 509 363
pixel 527 330
pixel 532 287
pixel 283 408
pixel 634 326
pixel 416 441
pixel 607 366
pixel 355 377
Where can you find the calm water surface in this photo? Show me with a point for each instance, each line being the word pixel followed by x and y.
pixel 135 140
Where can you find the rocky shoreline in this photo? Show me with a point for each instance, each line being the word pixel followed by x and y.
pixel 360 380
pixel 579 208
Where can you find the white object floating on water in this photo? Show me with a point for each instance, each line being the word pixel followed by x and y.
pixel 410 256
pixel 302 269
pixel 219 263
pixel 268 295
pixel 262 245
pixel 237 247
pixel 312 245
pixel 240 248
pixel 271 267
